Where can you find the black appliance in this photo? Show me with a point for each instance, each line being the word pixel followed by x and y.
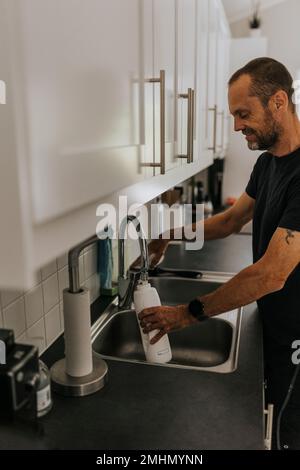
pixel 215 182
pixel 19 375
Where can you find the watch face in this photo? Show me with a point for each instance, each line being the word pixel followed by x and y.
pixel 196 308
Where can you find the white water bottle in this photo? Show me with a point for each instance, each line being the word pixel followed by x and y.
pixel 146 296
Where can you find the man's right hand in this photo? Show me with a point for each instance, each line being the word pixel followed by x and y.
pixel 156 251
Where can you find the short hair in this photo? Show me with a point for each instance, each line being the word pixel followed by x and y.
pixel 267 77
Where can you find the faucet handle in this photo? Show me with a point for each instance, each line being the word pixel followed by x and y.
pixel 126 288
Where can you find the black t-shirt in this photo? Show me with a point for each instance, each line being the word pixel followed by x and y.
pixel 275 186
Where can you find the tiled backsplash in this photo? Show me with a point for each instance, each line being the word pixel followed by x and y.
pixel 36 316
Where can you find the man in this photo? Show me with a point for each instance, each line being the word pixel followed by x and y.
pixel 260 100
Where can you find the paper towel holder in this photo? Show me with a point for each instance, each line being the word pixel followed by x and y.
pixel 87 383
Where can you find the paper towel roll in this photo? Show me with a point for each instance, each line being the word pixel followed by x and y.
pixel 78 345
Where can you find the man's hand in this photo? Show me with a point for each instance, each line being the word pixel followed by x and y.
pixel 165 319
pixel 156 251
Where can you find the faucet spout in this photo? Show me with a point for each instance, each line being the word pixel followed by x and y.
pixel 127 281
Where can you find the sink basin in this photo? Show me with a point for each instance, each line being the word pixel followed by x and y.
pixel 211 345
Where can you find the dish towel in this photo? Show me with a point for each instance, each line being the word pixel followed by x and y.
pixel 105 263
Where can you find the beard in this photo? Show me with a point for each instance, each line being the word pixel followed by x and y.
pixel 267 137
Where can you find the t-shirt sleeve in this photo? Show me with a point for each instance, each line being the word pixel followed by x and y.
pixel 291 216
pixel 251 187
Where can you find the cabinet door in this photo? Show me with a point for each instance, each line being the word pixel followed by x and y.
pixel 80 85
pixel 202 84
pixel 211 111
pixel 164 40
pixel 186 21
pixel 147 88
pixel 222 72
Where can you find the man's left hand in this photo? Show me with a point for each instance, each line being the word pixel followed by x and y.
pixel 165 319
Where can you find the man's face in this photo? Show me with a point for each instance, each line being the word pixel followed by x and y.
pixel 255 121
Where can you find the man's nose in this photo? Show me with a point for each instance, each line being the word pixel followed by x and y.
pixel 238 125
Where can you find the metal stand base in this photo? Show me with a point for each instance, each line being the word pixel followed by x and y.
pixel 64 384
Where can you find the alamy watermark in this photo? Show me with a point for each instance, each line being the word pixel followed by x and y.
pixel 296 354
pixel 156 221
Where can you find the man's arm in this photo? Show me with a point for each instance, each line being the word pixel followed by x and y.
pixel 221 225
pixel 218 226
pixel 267 275
pixel 230 221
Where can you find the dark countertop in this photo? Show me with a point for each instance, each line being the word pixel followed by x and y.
pixel 230 255
pixel 152 407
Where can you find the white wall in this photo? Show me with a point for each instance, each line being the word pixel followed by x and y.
pixel 280 24
pixel 239 159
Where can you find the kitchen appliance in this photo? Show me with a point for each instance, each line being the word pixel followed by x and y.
pixel 19 374
pixel 215 182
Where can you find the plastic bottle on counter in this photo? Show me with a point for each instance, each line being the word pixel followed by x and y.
pixel 43 392
pixel 146 296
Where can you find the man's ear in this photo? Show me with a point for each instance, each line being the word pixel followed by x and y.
pixel 280 100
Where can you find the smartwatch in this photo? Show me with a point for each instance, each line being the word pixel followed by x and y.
pixel 196 308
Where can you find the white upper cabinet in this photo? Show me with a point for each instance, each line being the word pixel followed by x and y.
pixel 186 79
pixel 203 128
pixel 97 107
pixel 222 77
pixel 79 90
pixel 164 40
pixel 218 46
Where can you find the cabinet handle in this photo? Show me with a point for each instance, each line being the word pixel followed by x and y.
pixel 269 426
pixel 221 147
pixel 162 81
pixel 190 96
pixel 215 111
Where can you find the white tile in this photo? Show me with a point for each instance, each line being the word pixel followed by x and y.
pixel 37 335
pixel 22 338
pixel 50 292
pixel 34 308
pixel 37 277
pixel 62 261
pixel 14 316
pixel 52 325
pixel 90 262
pixel 1 319
pixel 8 296
pixel 61 311
pixel 63 280
pixel 93 284
pixel 49 269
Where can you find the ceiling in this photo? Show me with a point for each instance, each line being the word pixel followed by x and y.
pixel 237 10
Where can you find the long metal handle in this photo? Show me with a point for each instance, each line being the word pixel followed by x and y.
pixel 162 81
pixel 222 113
pixel 192 124
pixel 269 426
pixel 190 96
pixel 215 110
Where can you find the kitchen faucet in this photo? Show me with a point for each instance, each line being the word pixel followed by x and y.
pixel 127 282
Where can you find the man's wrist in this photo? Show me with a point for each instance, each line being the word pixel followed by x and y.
pixel 197 309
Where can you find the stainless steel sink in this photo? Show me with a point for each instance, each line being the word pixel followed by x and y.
pixel 211 345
